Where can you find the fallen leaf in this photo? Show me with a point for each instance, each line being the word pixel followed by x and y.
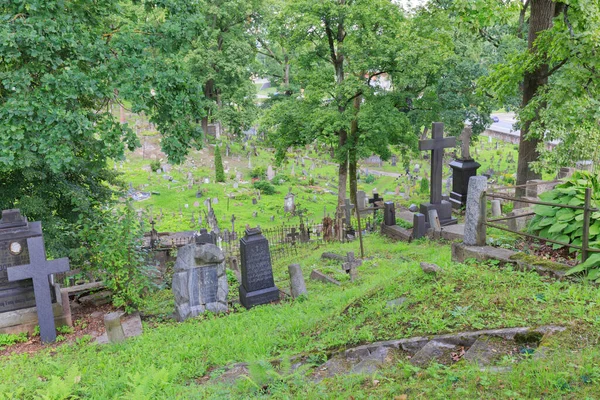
pixel 375 382
pixel 401 397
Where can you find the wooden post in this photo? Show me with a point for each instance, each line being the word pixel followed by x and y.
pixel 585 239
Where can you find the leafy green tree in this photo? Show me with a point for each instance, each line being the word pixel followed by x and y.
pixel 58 78
pixel 370 81
pixel 552 67
pixel 219 172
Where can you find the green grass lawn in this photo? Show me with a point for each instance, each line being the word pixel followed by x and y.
pixel 169 358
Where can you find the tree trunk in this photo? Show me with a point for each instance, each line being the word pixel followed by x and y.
pixel 352 152
pixel 209 93
pixel 542 13
pixel 286 72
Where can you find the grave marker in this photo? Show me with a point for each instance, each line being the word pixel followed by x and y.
pixel 437 145
pixel 258 286
pixel 38 271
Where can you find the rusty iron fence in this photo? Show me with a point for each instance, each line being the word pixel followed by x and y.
pixel 587 213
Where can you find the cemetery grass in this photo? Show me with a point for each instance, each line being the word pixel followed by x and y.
pixel 177 360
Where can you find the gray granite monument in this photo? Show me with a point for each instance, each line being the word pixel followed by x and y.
pixel 199 281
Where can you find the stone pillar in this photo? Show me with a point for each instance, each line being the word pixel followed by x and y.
pixel 389 213
pixel 496 208
pixel 297 285
pixel 419 226
pixel 114 329
pixel 475 212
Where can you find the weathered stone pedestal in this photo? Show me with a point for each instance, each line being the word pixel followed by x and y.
pixel 462 171
pixel 444 210
pixel 258 286
pixel 199 281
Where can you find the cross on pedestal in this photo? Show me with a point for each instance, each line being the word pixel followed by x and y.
pixel 376 199
pixel 437 146
pixel 348 209
pixel 293 235
pixel 38 270
pixel 351 264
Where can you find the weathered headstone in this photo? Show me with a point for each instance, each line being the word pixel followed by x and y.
pixel 270 173
pixel 205 237
pixel 297 285
pixel 348 207
pixel 258 286
pixel 289 205
pixel 199 281
pixel 437 145
pixel 474 228
pixel 38 270
pixel 389 213
pixel 419 226
pixel 496 208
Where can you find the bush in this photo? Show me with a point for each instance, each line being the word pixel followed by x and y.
pixel 265 187
pixel 258 172
pixel 424 188
pixel 565 224
pixel 370 179
pixel 219 172
pixel 111 250
pixel 280 179
pixel 509 179
pixel 154 165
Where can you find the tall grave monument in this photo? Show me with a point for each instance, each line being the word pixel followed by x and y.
pixel 258 286
pixel 462 170
pixel 437 144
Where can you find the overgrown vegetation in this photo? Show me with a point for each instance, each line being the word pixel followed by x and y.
pixel 171 359
pixel 565 224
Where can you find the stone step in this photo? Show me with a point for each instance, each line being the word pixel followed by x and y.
pixel 488 349
pixel 437 351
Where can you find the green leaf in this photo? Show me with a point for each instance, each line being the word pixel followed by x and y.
pixel 545 211
pixel 558 227
pixel 565 214
pixel 592 261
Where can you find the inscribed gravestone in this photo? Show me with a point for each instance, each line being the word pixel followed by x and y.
pixel 462 170
pixel 437 145
pixel 270 173
pixel 199 280
pixel 258 286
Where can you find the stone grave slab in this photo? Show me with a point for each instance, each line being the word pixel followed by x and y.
pixel 258 286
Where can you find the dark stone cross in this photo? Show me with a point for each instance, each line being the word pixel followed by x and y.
pixel 376 199
pixel 38 270
pixel 293 235
pixel 437 145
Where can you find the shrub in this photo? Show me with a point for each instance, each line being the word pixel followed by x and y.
pixel 111 249
pixel 370 179
pixel 565 224
pixel 265 187
pixel 424 188
pixel 219 172
pixel 258 172
pixel 280 179
pixel 154 165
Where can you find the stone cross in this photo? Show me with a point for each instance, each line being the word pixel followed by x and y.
pixel 465 138
pixel 351 264
pixel 348 209
pixel 437 145
pixel 38 270
pixel 233 222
